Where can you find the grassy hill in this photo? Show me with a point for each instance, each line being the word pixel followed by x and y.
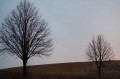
pixel 78 70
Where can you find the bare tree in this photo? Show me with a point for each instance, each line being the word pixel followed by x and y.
pixel 99 50
pixel 25 34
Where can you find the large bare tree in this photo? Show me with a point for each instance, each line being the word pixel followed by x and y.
pixel 25 34
pixel 99 50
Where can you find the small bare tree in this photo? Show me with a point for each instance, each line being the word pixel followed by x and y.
pixel 25 34
pixel 99 50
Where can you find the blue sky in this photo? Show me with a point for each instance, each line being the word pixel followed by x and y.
pixel 73 23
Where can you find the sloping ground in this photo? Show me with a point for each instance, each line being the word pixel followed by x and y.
pixel 81 70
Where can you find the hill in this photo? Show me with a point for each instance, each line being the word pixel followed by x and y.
pixel 76 70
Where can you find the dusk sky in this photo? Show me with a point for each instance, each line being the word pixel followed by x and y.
pixel 72 23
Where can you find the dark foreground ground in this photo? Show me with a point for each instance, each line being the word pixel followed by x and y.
pixel 81 70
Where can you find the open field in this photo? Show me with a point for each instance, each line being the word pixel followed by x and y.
pixel 78 70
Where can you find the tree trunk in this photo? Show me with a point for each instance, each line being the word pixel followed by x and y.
pixel 99 70
pixel 24 67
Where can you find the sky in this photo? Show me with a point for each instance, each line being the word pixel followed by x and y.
pixel 72 23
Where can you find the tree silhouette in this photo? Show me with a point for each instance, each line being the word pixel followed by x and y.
pixel 25 34
pixel 99 50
